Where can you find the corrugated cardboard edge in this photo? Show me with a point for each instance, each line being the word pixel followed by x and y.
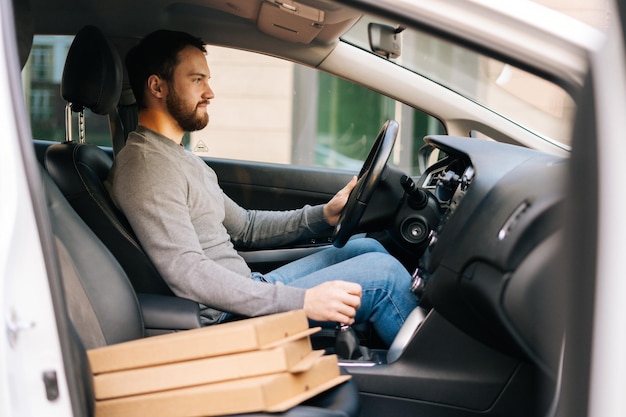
pixel 306 363
pixel 292 402
pixel 233 337
pixel 296 336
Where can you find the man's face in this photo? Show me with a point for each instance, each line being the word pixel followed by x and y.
pixel 189 92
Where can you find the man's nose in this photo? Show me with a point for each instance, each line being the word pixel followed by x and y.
pixel 208 93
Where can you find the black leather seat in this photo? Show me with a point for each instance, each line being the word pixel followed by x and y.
pixel 104 309
pixel 92 79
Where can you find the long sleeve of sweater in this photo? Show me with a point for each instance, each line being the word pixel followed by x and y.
pixel 187 226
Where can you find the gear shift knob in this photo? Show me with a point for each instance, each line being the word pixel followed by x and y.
pixel 347 344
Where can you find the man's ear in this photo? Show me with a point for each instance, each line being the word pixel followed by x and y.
pixel 156 86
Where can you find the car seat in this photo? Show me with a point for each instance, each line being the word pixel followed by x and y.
pixel 104 309
pixel 92 79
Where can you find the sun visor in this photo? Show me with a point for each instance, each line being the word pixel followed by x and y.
pixel 290 20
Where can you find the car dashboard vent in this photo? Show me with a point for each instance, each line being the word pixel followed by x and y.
pixel 510 223
pixel 433 178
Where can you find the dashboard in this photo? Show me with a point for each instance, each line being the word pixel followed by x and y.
pixel 488 259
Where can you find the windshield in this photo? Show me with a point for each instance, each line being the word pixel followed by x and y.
pixel 532 102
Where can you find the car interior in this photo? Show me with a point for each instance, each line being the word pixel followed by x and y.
pixel 97 320
pixel 478 229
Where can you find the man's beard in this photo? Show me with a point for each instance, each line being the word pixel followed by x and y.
pixel 187 119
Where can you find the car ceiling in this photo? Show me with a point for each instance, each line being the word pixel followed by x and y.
pixel 281 27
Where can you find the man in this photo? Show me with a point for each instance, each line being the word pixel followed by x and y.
pixel 189 227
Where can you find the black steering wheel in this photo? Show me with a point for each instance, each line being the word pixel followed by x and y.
pixel 368 179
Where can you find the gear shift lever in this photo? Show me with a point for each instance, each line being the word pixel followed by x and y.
pixel 347 344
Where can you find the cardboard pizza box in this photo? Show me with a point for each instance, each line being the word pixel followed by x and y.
pixel 292 356
pixel 269 393
pixel 220 339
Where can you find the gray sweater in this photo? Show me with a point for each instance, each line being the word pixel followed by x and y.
pixel 190 228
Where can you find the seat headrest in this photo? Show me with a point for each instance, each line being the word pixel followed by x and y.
pixel 93 73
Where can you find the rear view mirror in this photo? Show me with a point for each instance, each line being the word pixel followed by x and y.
pixel 385 40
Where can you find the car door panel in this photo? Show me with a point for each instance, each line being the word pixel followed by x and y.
pixel 262 186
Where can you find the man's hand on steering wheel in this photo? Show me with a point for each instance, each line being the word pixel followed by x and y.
pixel 333 209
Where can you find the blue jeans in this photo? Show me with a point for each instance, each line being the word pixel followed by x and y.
pixel 386 299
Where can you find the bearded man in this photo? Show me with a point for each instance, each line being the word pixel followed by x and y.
pixel 191 230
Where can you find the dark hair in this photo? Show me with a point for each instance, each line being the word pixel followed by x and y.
pixel 157 53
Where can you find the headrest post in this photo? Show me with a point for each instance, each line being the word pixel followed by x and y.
pixel 68 122
pixel 81 126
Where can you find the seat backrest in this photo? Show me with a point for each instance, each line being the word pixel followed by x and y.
pixel 101 301
pixel 92 78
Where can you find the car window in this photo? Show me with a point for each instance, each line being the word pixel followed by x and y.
pixel 500 87
pixel 265 109
pixel 268 109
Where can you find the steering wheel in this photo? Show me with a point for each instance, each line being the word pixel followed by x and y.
pixel 368 179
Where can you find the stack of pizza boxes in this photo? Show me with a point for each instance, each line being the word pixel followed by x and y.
pixel 258 364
